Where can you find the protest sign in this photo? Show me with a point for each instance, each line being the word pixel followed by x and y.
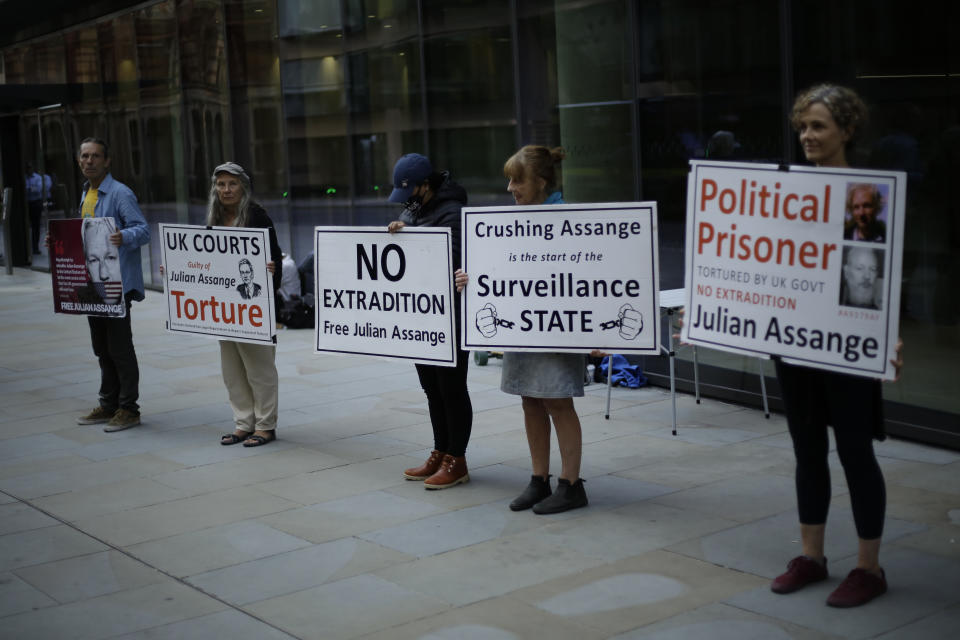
pixel 798 262
pixel 217 283
pixel 385 295
pixel 85 268
pixel 561 278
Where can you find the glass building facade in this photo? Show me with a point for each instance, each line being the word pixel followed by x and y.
pixel 317 98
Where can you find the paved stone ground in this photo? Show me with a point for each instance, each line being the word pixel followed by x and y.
pixel 160 532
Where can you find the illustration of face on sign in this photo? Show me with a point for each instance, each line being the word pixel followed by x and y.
pixel 102 258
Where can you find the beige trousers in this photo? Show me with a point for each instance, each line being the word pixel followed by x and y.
pixel 250 374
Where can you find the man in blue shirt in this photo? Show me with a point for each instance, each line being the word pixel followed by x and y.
pixel 34 205
pixel 112 337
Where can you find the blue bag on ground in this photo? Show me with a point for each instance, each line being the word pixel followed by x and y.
pixel 624 373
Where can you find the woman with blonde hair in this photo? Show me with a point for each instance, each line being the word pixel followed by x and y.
pixel 545 382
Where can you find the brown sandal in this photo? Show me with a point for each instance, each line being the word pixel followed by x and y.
pixel 258 441
pixel 232 438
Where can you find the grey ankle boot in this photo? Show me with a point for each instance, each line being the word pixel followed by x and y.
pixel 537 490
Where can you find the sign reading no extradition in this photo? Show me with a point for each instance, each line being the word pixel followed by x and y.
pixel 217 283
pixel 561 278
pixel 802 263
pixel 385 295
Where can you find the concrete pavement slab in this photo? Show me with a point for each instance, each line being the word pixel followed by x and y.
pixel 338 482
pixel 636 591
pixel 286 573
pixel 743 498
pixel 347 608
pixel 223 624
pixel 85 476
pixel 17 595
pixel 111 615
pixel 269 464
pixel 722 622
pixel 488 569
pixel 939 626
pixel 37 546
pixel 503 618
pixel 171 518
pixel 214 548
pixel 350 515
pixel 454 530
pixel 703 464
pixel 89 576
pixel 625 532
pixel 16 517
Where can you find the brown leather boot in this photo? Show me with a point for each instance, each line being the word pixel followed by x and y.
pixel 452 471
pixel 427 469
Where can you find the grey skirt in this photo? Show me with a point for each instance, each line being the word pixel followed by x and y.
pixel 543 375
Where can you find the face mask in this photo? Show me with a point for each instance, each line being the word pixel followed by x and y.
pixel 413 204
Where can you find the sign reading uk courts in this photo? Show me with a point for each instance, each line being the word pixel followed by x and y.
pixel 217 284
pixel 798 262
pixel 561 278
pixel 385 295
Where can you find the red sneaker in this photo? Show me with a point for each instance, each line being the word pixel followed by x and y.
pixel 801 571
pixel 859 587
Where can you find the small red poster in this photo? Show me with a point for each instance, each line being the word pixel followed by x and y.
pixel 85 268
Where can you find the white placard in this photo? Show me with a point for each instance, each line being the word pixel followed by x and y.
pixel 385 295
pixel 217 284
pixel 798 262
pixel 561 278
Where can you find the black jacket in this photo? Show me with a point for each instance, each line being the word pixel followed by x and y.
pixel 443 210
pixel 260 220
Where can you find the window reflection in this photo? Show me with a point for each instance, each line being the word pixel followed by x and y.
pixel 318 99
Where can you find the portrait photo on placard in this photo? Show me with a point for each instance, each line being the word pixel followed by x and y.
pixel 865 212
pixel 861 277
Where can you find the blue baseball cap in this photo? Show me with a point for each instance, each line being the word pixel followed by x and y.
pixel 410 171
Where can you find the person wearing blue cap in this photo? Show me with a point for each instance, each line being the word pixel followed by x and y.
pixel 433 199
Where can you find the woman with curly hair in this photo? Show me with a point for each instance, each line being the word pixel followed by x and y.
pixel 827 118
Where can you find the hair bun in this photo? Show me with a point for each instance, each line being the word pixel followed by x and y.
pixel 558 154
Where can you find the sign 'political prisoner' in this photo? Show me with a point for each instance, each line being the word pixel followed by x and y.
pixel 798 262
pixel 217 283
pixel 561 278
pixel 385 295
pixel 85 268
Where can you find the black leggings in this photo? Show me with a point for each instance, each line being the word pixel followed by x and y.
pixel 852 405
pixel 451 412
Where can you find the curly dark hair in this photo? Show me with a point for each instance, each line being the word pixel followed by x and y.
pixel 846 107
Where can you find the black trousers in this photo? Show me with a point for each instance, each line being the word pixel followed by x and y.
pixel 451 413
pixel 36 213
pixel 852 406
pixel 112 340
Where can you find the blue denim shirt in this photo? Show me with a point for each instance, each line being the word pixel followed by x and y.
pixel 34 187
pixel 116 200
